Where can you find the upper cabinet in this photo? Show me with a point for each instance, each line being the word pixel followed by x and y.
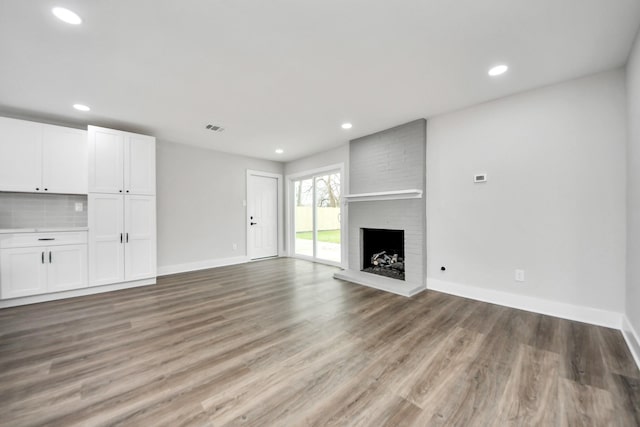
pixel 106 160
pixel 36 157
pixel 121 162
pixel 64 160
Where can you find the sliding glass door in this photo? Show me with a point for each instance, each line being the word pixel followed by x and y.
pixel 316 216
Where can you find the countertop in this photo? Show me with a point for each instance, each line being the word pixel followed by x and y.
pixel 41 230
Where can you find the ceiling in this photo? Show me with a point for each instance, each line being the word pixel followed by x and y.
pixel 287 73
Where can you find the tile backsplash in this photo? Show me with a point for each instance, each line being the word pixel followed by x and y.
pixel 27 210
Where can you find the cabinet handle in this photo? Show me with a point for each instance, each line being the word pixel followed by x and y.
pixel 47 238
pixel 46 189
pixel 127 191
pixel 127 237
pixel 43 257
pixel 120 237
pixel 49 257
pixel 120 191
pixel 37 188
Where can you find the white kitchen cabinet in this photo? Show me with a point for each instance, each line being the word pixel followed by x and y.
pixel 140 237
pixel 121 162
pixel 106 238
pixel 23 272
pixel 140 164
pixel 106 160
pixel 64 160
pixel 66 268
pixel 37 157
pixel 20 155
pixel 122 238
pixel 33 263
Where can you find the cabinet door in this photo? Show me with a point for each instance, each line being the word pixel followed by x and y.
pixel 106 161
pixel 140 164
pixel 23 272
pixel 140 237
pixel 64 160
pixel 20 155
pixel 66 267
pixel 106 239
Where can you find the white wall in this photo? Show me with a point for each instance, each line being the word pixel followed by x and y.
pixel 200 204
pixel 633 189
pixel 554 203
pixel 320 160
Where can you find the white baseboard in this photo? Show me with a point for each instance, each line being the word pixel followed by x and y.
pixel 632 338
pixel 200 265
pixel 594 316
pixel 14 302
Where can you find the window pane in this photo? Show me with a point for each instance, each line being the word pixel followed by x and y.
pixel 303 198
pixel 328 217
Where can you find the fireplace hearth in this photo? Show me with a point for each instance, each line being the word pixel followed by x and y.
pixel 383 252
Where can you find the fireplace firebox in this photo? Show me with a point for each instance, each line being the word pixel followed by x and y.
pixel 383 252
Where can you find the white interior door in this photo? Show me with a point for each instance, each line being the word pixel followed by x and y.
pixel 140 237
pixel 262 214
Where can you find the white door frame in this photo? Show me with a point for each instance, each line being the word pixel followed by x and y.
pixel 290 207
pixel 278 177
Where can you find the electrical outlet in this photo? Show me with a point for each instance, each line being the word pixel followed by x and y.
pixel 519 275
pixel 79 207
pixel 235 246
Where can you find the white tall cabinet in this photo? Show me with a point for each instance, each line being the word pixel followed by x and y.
pixel 122 207
pixel 121 162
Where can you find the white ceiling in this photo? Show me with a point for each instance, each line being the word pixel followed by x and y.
pixel 286 73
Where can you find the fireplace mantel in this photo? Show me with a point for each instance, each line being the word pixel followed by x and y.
pixel 383 195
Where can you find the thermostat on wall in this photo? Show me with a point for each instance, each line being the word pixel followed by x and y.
pixel 481 177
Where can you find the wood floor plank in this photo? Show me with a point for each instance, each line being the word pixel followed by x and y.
pixel 531 394
pixel 280 342
pixel 452 355
pixel 626 397
pixel 583 405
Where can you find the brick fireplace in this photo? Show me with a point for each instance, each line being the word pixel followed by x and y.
pixel 386 192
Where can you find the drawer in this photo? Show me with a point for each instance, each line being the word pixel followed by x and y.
pixel 25 240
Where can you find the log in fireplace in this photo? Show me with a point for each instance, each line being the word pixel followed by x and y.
pixel 383 252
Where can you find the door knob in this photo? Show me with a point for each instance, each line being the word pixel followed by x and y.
pixel 253 223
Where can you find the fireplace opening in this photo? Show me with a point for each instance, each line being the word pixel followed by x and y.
pixel 383 252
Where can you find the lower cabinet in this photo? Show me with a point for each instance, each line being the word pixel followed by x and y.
pixel 37 270
pixel 122 238
pixel 22 272
pixel 67 267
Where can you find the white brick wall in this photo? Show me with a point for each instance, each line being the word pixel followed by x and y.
pixel 393 159
pixel 390 160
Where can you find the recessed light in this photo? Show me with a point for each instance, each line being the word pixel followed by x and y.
pixel 279 151
pixel 347 126
pixel 498 70
pixel 81 107
pixel 66 15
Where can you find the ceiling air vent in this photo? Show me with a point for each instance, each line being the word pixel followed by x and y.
pixel 215 128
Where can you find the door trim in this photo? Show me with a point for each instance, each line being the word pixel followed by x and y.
pixel 279 204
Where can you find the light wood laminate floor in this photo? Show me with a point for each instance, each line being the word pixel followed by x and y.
pixel 280 342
